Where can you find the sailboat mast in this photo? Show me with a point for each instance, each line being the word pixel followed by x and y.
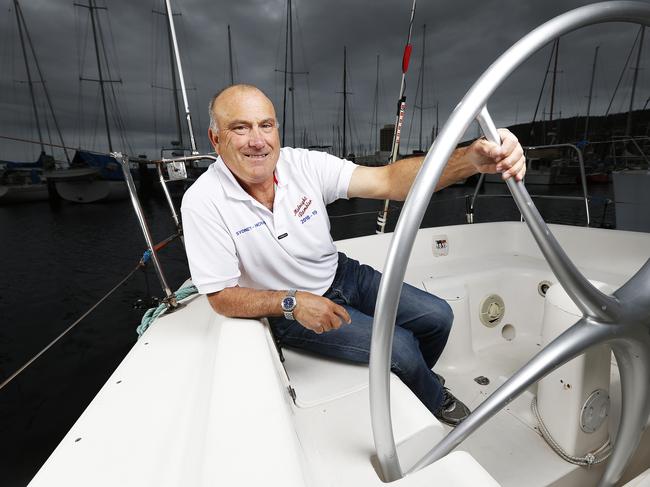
pixel 232 75
pixel 29 76
pixel 345 96
pixel 188 115
pixel 42 79
pixel 92 8
pixel 557 50
pixel 286 62
pixel 591 90
pixel 424 36
pixel 539 98
pixel 628 127
pixel 177 109
pixel 292 88
pixel 376 111
pixel 436 132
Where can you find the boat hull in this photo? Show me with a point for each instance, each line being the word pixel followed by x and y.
pixel 632 200
pixel 92 191
pixel 23 193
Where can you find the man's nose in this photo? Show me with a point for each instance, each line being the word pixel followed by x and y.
pixel 256 139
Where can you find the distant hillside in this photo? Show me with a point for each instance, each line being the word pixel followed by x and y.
pixel 572 129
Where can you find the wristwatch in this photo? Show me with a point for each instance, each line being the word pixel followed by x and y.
pixel 289 303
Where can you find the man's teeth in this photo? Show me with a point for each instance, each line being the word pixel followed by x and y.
pixel 256 156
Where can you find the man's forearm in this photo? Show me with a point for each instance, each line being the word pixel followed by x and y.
pixel 458 168
pixel 242 302
pixel 404 171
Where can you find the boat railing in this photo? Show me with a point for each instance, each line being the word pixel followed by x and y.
pixel 176 170
pixel 583 180
pixel 624 140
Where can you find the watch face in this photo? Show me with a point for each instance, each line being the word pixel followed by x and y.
pixel 288 303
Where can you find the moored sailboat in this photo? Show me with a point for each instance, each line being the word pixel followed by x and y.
pixel 22 182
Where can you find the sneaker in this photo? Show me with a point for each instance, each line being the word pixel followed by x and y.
pixel 452 411
pixel 441 379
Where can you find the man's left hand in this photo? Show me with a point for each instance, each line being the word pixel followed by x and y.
pixel 508 158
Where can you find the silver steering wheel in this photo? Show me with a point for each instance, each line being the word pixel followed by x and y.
pixel 621 320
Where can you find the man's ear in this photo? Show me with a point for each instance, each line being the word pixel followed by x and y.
pixel 213 135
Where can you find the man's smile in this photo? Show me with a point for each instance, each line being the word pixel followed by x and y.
pixel 256 156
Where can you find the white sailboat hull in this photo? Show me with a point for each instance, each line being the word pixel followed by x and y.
pixel 92 191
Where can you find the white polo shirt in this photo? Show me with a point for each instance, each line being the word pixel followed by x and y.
pixel 232 239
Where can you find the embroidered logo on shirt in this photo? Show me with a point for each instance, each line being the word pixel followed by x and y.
pixel 306 218
pixel 252 227
pixel 300 210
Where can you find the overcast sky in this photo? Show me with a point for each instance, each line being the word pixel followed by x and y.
pixel 463 38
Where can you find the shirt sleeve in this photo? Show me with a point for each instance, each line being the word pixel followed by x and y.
pixel 333 174
pixel 211 252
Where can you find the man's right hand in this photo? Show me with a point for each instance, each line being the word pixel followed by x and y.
pixel 319 314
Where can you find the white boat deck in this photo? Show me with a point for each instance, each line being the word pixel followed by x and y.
pixel 203 400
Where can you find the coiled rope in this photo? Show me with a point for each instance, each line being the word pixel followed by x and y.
pixel 153 313
pixel 592 458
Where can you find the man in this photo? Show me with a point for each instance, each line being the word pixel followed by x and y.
pixel 258 242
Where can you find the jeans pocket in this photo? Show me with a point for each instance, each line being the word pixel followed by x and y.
pixel 337 296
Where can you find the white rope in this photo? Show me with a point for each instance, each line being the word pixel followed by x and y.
pixel 592 458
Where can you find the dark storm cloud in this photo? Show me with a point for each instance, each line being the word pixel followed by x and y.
pixel 463 38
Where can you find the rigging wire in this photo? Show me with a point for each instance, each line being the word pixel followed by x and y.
pixel 96 110
pixel 336 128
pixel 355 138
pixel 9 53
pixel 309 118
pixel 316 138
pixel 372 141
pixel 116 114
pixel 541 90
pixel 277 71
pixel 623 71
pixel 80 54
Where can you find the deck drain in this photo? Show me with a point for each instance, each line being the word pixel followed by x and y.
pixel 508 332
pixel 542 288
pixel 492 310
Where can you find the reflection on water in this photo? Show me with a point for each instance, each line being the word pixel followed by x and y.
pixel 58 261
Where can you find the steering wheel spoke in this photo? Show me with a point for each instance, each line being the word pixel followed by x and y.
pixel 590 301
pixel 565 347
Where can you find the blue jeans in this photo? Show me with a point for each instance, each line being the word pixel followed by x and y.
pixel 421 330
